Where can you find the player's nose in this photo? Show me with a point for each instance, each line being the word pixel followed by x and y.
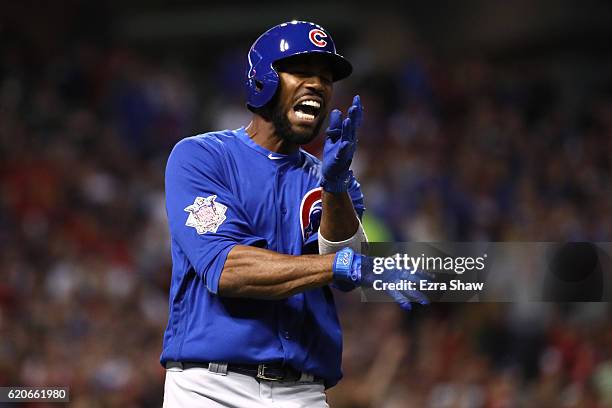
pixel 319 84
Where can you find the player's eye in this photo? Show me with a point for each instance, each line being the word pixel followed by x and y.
pixel 326 79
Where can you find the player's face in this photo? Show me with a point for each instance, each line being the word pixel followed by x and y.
pixel 304 95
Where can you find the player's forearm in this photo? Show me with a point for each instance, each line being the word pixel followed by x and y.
pixel 338 220
pixel 251 272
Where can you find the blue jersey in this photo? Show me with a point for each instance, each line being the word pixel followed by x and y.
pixel 223 189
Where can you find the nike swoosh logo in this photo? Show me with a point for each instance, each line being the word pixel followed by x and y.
pixel 273 157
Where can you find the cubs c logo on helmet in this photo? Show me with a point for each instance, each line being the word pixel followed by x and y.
pixel 316 37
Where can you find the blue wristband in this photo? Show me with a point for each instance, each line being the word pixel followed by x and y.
pixel 347 266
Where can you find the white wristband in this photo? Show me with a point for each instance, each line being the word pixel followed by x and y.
pixel 354 242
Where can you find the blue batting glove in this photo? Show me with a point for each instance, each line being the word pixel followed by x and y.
pixel 355 269
pixel 339 148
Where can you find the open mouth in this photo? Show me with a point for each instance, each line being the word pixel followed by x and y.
pixel 307 109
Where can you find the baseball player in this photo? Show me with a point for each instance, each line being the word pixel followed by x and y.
pixel 260 230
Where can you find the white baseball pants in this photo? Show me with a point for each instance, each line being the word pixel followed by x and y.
pixel 198 387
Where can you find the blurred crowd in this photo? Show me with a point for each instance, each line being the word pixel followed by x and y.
pixel 449 151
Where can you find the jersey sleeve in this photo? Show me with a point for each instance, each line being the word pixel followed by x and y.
pixel 357 198
pixel 205 218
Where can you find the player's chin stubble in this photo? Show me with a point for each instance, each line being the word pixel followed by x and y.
pixel 282 125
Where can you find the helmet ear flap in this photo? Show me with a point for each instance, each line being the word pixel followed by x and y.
pixel 262 86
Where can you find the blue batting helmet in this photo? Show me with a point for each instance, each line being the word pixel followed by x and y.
pixel 283 41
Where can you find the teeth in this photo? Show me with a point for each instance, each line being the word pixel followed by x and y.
pixel 312 103
pixel 305 116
